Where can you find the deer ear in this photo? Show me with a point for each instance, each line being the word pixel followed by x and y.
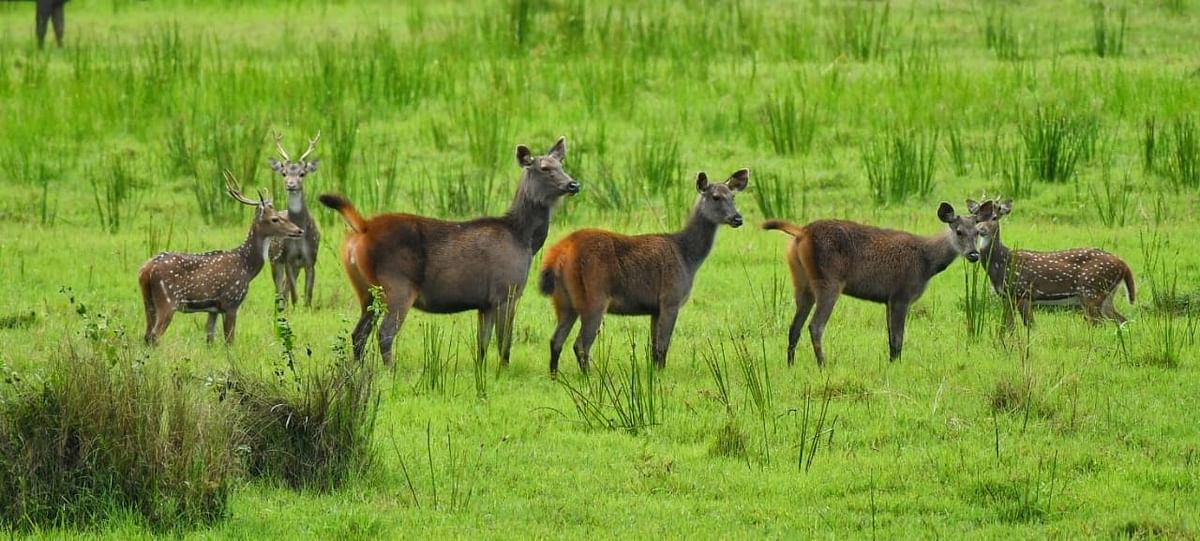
pixel 986 211
pixel 738 180
pixel 312 166
pixel 972 206
pixel 559 150
pixel 946 213
pixel 524 156
pixel 1004 208
pixel 276 165
pixel 701 182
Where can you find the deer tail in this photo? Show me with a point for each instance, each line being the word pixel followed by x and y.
pixel 1129 289
pixel 546 278
pixel 342 205
pixel 789 228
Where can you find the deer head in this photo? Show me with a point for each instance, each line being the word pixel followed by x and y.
pixel 964 232
pixel 267 221
pixel 294 171
pixel 545 180
pixel 716 200
pixel 989 228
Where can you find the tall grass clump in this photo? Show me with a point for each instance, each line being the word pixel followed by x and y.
pixel 626 399
pixel 201 156
pixel 1108 37
pixel 789 128
pixel 1056 142
pixel 777 196
pixel 1182 164
pixel 1112 200
pixel 860 30
pixel 311 427
pixel 975 301
pixel 113 187
pixel 901 165
pixel 656 163
pixel 1000 36
pixel 97 431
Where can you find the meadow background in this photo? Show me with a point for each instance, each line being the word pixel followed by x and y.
pixel 111 150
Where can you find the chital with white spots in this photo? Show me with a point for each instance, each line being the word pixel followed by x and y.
pixel 831 257
pixel 1085 276
pixel 214 282
pixel 291 255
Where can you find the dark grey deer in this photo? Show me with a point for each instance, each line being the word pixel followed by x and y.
pixel 831 257
pixel 444 267
pixel 1085 276
pixel 213 282
pixel 288 255
pixel 592 272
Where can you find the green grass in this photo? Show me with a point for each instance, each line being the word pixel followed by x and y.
pixel 111 150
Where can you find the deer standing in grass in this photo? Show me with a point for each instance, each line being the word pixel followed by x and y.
pixel 592 272
pixel 831 257
pixel 213 282
pixel 291 255
pixel 446 267
pixel 1084 276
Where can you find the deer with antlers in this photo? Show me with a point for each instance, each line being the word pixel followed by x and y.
pixel 214 282
pixel 291 255
pixel 1085 276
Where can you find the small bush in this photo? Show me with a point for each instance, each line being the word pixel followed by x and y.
pixel 96 435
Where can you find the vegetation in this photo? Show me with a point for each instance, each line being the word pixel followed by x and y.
pixel 873 111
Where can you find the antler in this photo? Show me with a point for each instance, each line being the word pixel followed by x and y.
pixel 279 145
pixel 235 191
pixel 312 145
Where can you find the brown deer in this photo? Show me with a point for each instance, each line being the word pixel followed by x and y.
pixel 831 257
pixel 1084 276
pixel 291 255
pixel 592 272
pixel 214 282
pixel 446 267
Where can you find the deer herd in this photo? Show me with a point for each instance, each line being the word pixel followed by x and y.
pixel 442 267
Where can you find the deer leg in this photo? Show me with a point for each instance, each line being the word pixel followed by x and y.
pixel 505 315
pixel 487 321
pixel 804 304
pixel 1110 311
pixel 566 319
pixel 57 16
pixel 826 297
pixel 43 19
pixel 399 301
pixel 897 313
pixel 1092 309
pixel 310 272
pixel 229 322
pixel 163 320
pixel 279 276
pixel 362 330
pixel 664 327
pixel 210 329
pixel 292 272
pixel 587 334
pixel 148 303
pixel 1025 306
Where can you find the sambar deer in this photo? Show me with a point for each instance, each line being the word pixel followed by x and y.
pixel 1085 276
pixel 215 282
pixel 831 257
pixel 289 256
pixel 445 267
pixel 592 272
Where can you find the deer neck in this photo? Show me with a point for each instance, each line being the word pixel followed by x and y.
pixel 254 250
pixel 529 219
pixel 295 205
pixel 940 252
pixel 997 258
pixel 696 239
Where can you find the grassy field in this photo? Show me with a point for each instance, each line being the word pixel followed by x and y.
pixel 1086 114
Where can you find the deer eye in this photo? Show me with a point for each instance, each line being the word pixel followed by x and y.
pixel 275 220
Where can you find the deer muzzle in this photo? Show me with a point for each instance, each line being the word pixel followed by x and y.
pixel 736 220
pixel 573 187
pixel 972 256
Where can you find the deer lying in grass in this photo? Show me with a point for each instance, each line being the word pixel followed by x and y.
pixel 592 272
pixel 1084 276
pixel 445 267
pixel 831 257
pixel 289 256
pixel 214 282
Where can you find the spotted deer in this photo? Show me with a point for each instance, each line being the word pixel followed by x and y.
pixel 592 272
pixel 445 267
pixel 291 255
pixel 830 257
pixel 1084 276
pixel 213 282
